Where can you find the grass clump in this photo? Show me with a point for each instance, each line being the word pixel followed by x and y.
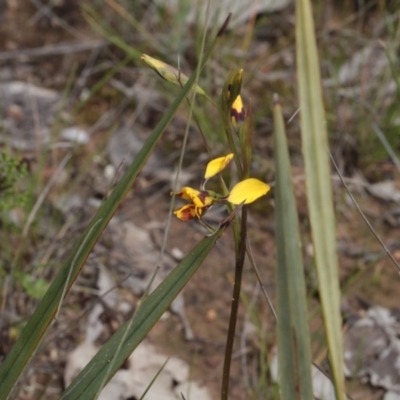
pixel 12 172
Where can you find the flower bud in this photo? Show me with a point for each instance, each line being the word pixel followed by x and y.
pixel 169 73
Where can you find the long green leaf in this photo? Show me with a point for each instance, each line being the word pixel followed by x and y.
pixel 126 339
pixel 294 353
pixel 38 324
pixel 319 191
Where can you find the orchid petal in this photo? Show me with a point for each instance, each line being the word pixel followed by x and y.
pixel 248 191
pixel 188 212
pixel 199 198
pixel 217 165
pixel 238 113
pixel 188 193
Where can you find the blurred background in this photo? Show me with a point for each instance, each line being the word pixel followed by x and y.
pixel 76 105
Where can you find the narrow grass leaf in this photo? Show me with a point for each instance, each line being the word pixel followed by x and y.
pixel 44 314
pixel 126 339
pixel 294 353
pixel 101 26
pixel 319 191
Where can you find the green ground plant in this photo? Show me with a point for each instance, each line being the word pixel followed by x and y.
pixel 12 172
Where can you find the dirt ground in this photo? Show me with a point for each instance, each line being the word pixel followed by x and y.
pixel 45 53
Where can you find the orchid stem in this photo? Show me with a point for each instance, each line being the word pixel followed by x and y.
pixel 235 305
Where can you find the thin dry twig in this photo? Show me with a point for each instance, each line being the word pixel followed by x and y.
pixel 386 145
pixel 46 10
pixel 42 11
pixel 257 272
pixel 45 192
pixel 51 50
pixel 387 251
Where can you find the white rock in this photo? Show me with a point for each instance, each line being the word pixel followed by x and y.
pixel 109 172
pixel 75 135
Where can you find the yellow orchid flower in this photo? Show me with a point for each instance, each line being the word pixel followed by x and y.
pixel 169 73
pixel 244 192
pixel 238 113
pixel 201 201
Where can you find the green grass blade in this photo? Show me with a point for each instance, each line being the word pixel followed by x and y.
pixel 319 191
pixel 100 26
pixel 38 324
pixel 125 340
pixel 294 353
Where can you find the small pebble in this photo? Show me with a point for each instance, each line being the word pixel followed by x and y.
pixel 177 253
pixel 109 172
pixel 211 315
pixel 76 135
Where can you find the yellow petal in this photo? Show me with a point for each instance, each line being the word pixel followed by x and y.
pixel 238 113
pixel 188 193
pixel 168 72
pixel 188 212
pixel 217 165
pixel 200 199
pixel 248 191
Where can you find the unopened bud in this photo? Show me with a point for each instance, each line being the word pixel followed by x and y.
pixel 169 73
